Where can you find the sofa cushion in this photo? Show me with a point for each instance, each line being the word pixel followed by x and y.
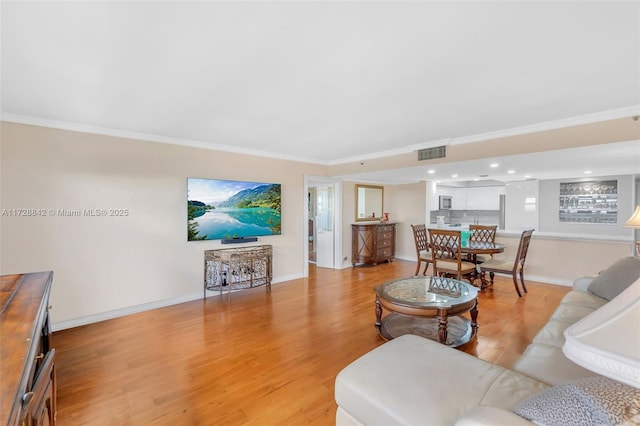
pixel 548 364
pixel 570 313
pixel 483 415
pixel 593 400
pixel 552 333
pixel 583 298
pixel 617 277
pixel 402 382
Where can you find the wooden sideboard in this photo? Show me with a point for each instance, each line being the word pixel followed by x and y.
pixel 372 243
pixel 27 360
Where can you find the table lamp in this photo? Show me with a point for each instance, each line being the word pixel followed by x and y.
pixel 634 222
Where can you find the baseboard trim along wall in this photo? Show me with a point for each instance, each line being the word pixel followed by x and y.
pixel 103 316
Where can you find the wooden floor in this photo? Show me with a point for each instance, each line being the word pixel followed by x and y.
pixel 260 359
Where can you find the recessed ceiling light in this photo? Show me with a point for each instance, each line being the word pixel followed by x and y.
pixel 454 176
pixel 476 179
pixel 527 176
pixel 494 165
pixel 587 172
pixel 431 171
pixel 511 171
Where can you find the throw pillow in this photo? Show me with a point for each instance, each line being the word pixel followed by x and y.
pixel 593 400
pixel 616 278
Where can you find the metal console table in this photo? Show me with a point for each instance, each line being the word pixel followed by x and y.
pixel 237 268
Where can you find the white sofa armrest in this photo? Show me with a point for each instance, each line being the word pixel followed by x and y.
pixel 484 415
pixel 582 283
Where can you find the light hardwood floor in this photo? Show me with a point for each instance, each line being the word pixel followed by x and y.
pixel 260 359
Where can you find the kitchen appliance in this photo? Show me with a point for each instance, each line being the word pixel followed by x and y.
pixel 444 202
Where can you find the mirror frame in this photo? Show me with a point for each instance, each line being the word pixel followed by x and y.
pixel 378 214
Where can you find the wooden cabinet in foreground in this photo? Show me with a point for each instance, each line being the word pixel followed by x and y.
pixel 27 359
pixel 372 243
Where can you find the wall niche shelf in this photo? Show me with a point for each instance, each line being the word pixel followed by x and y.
pixel 589 202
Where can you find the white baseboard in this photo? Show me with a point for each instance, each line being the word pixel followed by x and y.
pixel 103 316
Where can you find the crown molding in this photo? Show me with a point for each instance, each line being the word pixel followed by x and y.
pixel 87 128
pixel 613 114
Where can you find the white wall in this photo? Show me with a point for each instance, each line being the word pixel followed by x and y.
pixel 560 260
pixel 407 205
pixel 115 263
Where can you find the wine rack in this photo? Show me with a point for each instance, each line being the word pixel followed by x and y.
pixel 589 202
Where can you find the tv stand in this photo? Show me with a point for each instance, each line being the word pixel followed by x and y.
pixel 237 268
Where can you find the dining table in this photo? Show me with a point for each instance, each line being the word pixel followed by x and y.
pixel 474 248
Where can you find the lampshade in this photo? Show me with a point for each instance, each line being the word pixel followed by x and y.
pixel 607 341
pixel 634 220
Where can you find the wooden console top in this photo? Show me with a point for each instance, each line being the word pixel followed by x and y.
pixel 23 314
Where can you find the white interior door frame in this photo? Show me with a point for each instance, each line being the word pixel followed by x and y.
pixel 315 181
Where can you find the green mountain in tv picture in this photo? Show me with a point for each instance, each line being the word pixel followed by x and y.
pixel 220 209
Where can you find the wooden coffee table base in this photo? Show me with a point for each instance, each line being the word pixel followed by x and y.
pixel 459 329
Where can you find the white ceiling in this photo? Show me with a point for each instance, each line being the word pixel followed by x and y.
pixel 324 81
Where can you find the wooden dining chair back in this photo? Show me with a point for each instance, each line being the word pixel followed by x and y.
pixel 484 234
pixel 513 267
pixel 421 239
pixel 446 255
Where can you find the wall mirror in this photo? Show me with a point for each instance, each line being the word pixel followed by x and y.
pixel 369 202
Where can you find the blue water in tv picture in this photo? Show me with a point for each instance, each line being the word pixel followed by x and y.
pixel 221 209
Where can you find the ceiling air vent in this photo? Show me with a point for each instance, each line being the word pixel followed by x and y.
pixel 432 153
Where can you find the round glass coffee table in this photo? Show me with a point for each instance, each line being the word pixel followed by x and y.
pixel 431 307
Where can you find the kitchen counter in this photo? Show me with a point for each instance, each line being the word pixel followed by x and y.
pixel 511 233
pixel 566 236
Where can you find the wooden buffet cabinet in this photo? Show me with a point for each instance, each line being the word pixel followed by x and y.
pixel 27 360
pixel 372 243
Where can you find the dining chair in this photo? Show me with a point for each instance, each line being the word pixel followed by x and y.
pixel 421 239
pixel 513 267
pixel 446 255
pixel 485 234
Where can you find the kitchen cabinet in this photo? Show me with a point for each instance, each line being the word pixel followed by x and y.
pixel 479 198
pixel 459 199
pixel 485 198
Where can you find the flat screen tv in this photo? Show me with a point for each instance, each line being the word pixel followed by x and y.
pixel 225 209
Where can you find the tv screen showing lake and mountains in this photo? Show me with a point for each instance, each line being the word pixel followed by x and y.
pixel 225 209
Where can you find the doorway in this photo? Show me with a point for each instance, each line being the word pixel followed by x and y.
pixel 324 220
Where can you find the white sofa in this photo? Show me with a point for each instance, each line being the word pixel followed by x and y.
pixel 411 380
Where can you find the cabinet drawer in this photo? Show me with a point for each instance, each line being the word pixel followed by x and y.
pixel 385 236
pixel 384 243
pixel 384 253
pixel 39 402
pixel 385 229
